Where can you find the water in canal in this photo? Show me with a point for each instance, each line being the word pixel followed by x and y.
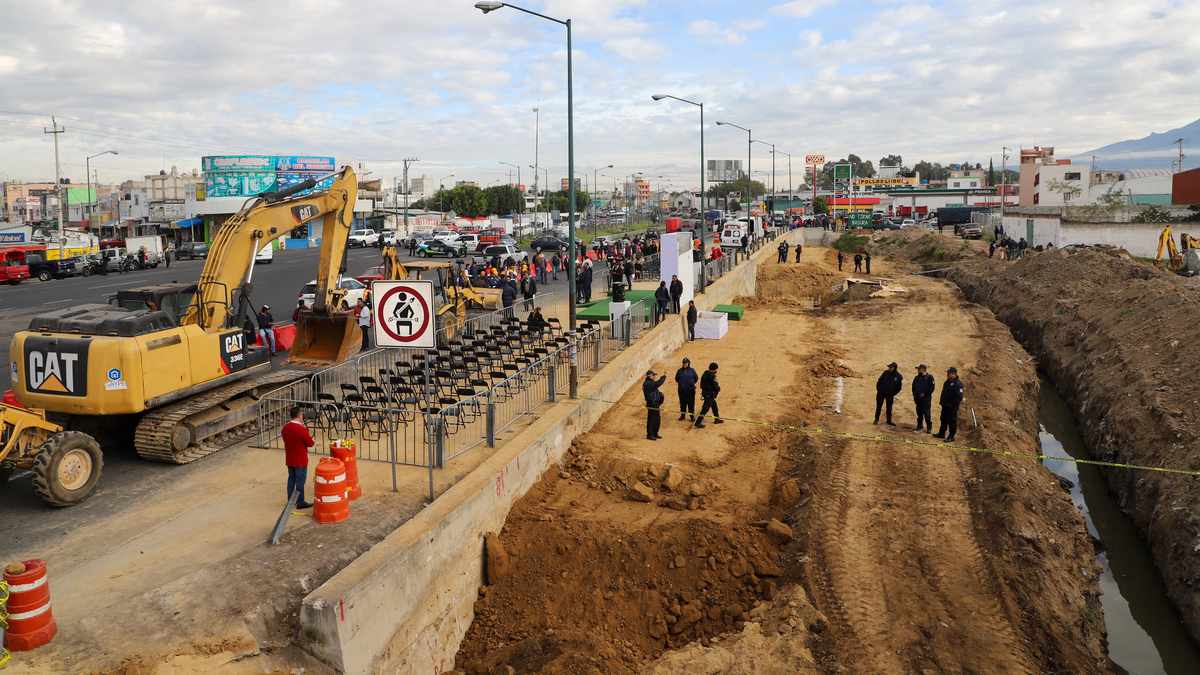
pixel 1145 635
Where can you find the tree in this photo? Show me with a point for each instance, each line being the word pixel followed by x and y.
pixel 1067 189
pixel 719 190
pixel 558 201
pixel 735 206
pixel 891 160
pixel 1153 214
pixel 465 200
pixel 991 174
pixel 504 199
pixel 820 205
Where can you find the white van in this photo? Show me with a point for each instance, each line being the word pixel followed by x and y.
pixel 732 233
pixel 265 255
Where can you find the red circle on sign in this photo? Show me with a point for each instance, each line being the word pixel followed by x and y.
pixel 424 307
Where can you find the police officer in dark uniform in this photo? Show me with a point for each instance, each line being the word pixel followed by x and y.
pixel 685 380
pixel 654 401
pixel 952 397
pixel 922 392
pixel 709 389
pixel 889 384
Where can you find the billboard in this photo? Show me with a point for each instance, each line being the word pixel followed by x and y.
pixel 721 170
pixel 814 160
pixel 300 163
pixel 898 181
pixel 238 183
pixel 237 163
pixel 841 171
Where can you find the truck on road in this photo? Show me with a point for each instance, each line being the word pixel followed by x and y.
pixel 153 245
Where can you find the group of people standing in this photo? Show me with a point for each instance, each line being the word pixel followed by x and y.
pixel 860 259
pixel 686 380
pixel 783 251
pixel 891 383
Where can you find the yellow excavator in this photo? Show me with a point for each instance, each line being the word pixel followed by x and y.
pixel 1183 259
pixel 170 367
pixel 457 292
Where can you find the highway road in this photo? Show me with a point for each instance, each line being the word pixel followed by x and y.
pixel 127 478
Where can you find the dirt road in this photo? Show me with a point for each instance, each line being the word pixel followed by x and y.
pixel 904 555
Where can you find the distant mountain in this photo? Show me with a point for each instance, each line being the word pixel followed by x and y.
pixel 1156 151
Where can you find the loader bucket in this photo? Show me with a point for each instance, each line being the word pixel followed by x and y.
pixel 325 339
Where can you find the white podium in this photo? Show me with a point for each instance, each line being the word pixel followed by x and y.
pixel 711 325
pixel 617 311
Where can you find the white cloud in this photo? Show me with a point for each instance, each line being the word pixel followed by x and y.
pixel 734 35
pixel 636 48
pixel 801 8
pixel 811 38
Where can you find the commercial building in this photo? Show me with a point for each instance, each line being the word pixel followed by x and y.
pixel 29 202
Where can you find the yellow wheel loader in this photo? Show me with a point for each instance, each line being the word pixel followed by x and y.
pixel 171 368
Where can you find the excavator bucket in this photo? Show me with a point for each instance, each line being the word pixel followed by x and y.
pixel 325 339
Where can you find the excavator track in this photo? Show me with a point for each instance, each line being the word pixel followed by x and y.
pixel 169 434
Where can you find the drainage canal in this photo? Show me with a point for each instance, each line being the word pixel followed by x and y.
pixel 1145 635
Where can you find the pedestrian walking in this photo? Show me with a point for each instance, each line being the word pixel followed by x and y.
pixel 654 402
pixel 858 262
pixel 528 291
pixel 922 392
pixel 890 383
pixel 296 442
pixel 508 297
pixel 265 332
pixel 662 299
pixel 363 312
pixel 951 399
pixel 168 254
pixel 628 269
pixel 587 281
pixel 676 293
pixel 799 250
pixel 867 260
pixel 685 381
pixel 691 319
pixel 841 258
pixel 709 389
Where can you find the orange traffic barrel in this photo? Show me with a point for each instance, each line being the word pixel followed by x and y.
pixel 330 505
pixel 30 621
pixel 345 451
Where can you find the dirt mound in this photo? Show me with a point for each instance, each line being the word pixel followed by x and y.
pixel 924 247
pixel 1118 338
pixel 790 285
pixel 589 597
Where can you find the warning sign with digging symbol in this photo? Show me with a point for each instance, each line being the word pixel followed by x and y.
pixel 404 314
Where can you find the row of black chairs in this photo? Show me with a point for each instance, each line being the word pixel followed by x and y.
pixel 450 382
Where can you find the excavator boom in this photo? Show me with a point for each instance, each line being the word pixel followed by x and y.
pixel 323 333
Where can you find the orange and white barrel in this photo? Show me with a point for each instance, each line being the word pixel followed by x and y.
pixel 330 503
pixel 30 620
pixel 345 451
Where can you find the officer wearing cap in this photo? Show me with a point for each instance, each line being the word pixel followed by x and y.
pixel 922 392
pixel 654 402
pixel 952 397
pixel 686 379
pixel 890 383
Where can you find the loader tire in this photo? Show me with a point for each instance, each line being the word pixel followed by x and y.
pixel 67 468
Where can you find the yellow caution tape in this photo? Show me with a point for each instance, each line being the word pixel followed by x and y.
pixel 898 440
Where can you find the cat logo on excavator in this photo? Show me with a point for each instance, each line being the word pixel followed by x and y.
pixel 56 366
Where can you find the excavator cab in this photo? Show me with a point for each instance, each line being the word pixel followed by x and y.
pixel 173 299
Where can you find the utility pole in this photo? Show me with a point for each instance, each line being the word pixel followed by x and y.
pixel 537 125
pixel 407 161
pixel 58 179
pixel 1003 180
pixel 1179 142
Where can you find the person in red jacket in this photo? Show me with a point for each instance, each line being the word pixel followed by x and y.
pixel 296 442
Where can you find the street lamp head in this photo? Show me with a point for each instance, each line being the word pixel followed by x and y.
pixel 658 97
pixel 486 7
pixel 720 124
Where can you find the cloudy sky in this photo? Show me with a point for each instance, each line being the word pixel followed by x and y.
pixel 373 82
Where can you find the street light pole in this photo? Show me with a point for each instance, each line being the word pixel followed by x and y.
pixel 491 6
pixel 703 219
pixel 749 179
pixel 772 173
pixel 88 167
pixel 407 192
pixel 442 189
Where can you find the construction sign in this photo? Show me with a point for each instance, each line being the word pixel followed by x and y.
pixel 404 314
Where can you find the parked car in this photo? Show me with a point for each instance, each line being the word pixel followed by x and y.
pixel 190 250
pixel 355 291
pixel 908 222
pixel 431 248
pixel 40 268
pixel 505 252
pixel 970 231
pixel 362 238
pixel 550 244
pixel 444 235
pixel 13 267
pixel 468 241
pixel 393 238
pixel 370 274
pixel 115 260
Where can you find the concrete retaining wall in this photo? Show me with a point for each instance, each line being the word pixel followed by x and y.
pixel 405 605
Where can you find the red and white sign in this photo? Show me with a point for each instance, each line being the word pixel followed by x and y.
pixel 404 314
pixel 814 160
